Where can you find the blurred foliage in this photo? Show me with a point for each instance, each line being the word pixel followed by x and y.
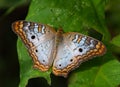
pixel 9 65
pixel 113 20
pixel 10 5
pixel 116 40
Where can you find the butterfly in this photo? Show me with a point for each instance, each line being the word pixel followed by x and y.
pixel 62 51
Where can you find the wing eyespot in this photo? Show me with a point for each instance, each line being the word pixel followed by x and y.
pixel 36 50
pixel 71 60
pixel 60 65
pixel 33 37
pixel 43 60
pixel 80 50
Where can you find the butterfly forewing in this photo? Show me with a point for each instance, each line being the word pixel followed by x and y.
pixel 39 40
pixel 73 50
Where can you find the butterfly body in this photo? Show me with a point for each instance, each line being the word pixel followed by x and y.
pixel 65 51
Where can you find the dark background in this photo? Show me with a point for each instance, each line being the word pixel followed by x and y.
pixel 9 64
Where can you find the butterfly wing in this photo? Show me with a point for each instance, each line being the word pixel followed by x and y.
pixel 74 49
pixel 39 40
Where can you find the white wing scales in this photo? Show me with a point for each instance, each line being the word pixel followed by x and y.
pixel 43 54
pixel 64 55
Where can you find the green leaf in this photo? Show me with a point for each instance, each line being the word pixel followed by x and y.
pixel 73 16
pixel 116 40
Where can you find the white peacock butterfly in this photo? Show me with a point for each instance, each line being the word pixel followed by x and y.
pixel 48 47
